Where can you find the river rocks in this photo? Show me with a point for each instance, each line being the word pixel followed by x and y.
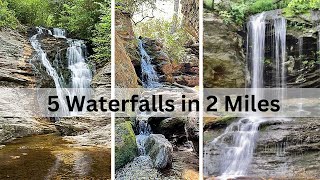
pixel 140 168
pixel 160 151
pixel 224 60
pixel 125 144
pixel 172 128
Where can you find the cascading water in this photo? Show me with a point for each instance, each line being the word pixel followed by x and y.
pixel 76 55
pixel 149 76
pixel 59 33
pixel 81 74
pixel 144 131
pixel 149 79
pixel 50 70
pixel 236 145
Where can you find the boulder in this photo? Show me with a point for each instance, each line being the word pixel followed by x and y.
pixel 172 128
pixel 224 60
pixel 160 151
pixel 125 144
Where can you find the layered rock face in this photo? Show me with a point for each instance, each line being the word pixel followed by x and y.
pixel 224 59
pixel 125 52
pixel 285 148
pixel 16 71
pixel 288 149
pixel 15 53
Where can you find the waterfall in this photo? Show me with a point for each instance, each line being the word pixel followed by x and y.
pixel 76 54
pixel 81 74
pixel 149 79
pixel 50 70
pixel 144 131
pixel 59 33
pixel 235 147
pixel 149 76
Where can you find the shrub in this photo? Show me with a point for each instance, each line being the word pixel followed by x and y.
pixel 174 42
pixel 7 17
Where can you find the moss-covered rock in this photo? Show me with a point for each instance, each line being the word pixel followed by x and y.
pixel 125 144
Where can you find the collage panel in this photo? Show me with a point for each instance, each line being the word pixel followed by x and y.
pixel 272 45
pixel 156 51
pixel 61 47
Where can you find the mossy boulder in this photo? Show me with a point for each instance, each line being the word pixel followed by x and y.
pixel 125 144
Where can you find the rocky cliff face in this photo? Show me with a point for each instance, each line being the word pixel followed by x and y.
pixel 17 71
pixel 125 52
pixel 186 74
pixel 285 149
pixel 224 60
pixel 15 53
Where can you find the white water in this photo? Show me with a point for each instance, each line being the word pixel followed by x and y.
pixel 50 70
pixel 144 131
pixel 59 33
pixel 81 74
pixel 149 79
pixel 149 76
pixel 235 147
pixel 76 55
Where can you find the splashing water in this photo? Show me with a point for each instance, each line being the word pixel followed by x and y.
pixel 235 147
pixel 144 131
pixel 76 55
pixel 59 33
pixel 81 74
pixel 149 76
pixel 50 70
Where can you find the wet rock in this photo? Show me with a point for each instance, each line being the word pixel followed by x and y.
pixel 172 128
pixel 125 144
pixel 192 132
pixel 70 129
pixel 160 151
pixel 11 128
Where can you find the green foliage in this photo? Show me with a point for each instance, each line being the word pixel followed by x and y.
pixel 134 6
pixel 102 35
pixel 262 5
pixel 85 19
pixel 79 17
pixel 173 41
pixel 208 4
pixel 301 6
pixel 237 10
pixel 7 16
pixel 32 12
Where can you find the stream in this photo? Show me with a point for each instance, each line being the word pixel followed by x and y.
pixel 51 157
